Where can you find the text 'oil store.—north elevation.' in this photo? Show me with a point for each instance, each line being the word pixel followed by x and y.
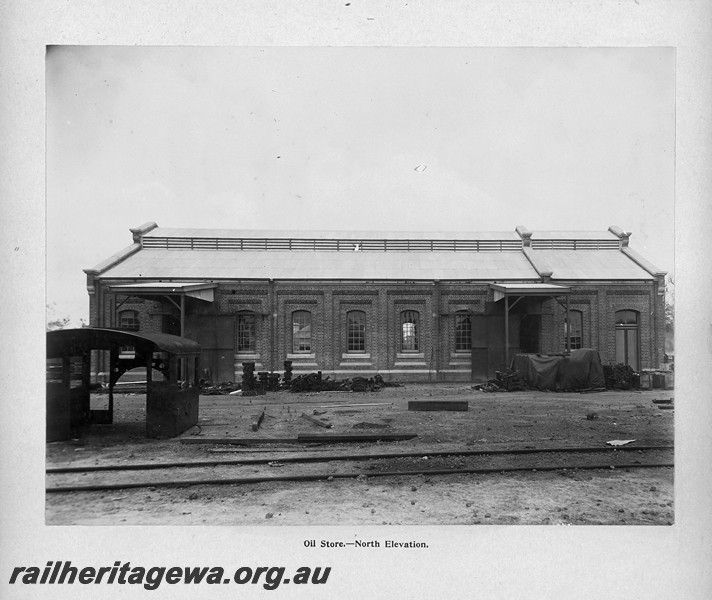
pixel 412 306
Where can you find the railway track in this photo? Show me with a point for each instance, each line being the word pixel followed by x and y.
pixel 300 468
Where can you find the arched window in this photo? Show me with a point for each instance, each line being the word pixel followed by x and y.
pixel 626 317
pixel 246 336
pixel 128 320
pixel 576 331
pixel 301 331
pixel 627 339
pixel 463 331
pixel 356 331
pixel 409 330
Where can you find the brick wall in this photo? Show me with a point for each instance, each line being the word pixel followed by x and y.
pixel 382 302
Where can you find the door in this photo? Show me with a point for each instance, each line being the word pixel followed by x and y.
pixel 216 336
pixel 627 339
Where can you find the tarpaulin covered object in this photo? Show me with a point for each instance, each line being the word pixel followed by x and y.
pixel 581 369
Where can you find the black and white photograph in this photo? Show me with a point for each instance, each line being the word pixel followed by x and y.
pixel 379 286
pixel 356 300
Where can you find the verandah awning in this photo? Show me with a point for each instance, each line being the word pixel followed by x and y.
pixel 201 291
pixel 528 289
pixel 520 290
pixel 183 289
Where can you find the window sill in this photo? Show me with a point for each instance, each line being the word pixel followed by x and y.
pixel 356 355
pixel 301 356
pixel 410 355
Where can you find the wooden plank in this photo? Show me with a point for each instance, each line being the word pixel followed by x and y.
pixel 354 437
pixel 237 441
pixel 352 404
pixel 450 405
pixel 316 421
pixel 256 424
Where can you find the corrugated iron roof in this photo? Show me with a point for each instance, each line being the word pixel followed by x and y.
pixel 216 264
pixel 191 253
pixel 588 264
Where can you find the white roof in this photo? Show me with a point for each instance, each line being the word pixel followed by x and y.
pixel 217 264
pixel 228 254
pixel 588 264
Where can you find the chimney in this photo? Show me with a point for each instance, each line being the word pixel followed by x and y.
pixel 623 236
pixel 139 231
pixel 525 234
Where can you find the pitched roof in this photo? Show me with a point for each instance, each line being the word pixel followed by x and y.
pixel 213 254
pixel 274 264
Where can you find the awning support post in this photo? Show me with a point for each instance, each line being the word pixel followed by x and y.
pixel 568 327
pixel 506 332
pixel 182 334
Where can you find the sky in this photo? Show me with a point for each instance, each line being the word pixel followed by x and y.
pixel 386 139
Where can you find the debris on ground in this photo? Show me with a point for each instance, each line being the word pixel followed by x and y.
pixel 364 425
pixel 314 382
pixel 273 382
pixel 256 424
pixel 591 415
pixel 504 381
pixel 619 442
pixel 510 380
pixel 490 386
pixel 316 421
pixel 207 388
pixel 619 376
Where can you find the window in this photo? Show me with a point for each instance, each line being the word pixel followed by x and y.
pixel 463 332
pixel 626 317
pixel 246 333
pixel 627 345
pixel 356 331
pixel 576 331
pixel 301 331
pixel 128 320
pixel 409 331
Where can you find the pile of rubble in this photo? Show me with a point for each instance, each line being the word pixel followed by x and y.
pixel 207 388
pixel 313 382
pixel 619 376
pixel 504 381
pixel 273 382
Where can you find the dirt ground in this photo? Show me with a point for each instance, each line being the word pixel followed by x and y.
pixel 494 421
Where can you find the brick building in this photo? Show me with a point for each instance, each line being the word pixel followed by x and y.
pixel 410 306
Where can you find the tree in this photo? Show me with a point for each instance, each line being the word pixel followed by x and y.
pixel 55 322
pixel 670 315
